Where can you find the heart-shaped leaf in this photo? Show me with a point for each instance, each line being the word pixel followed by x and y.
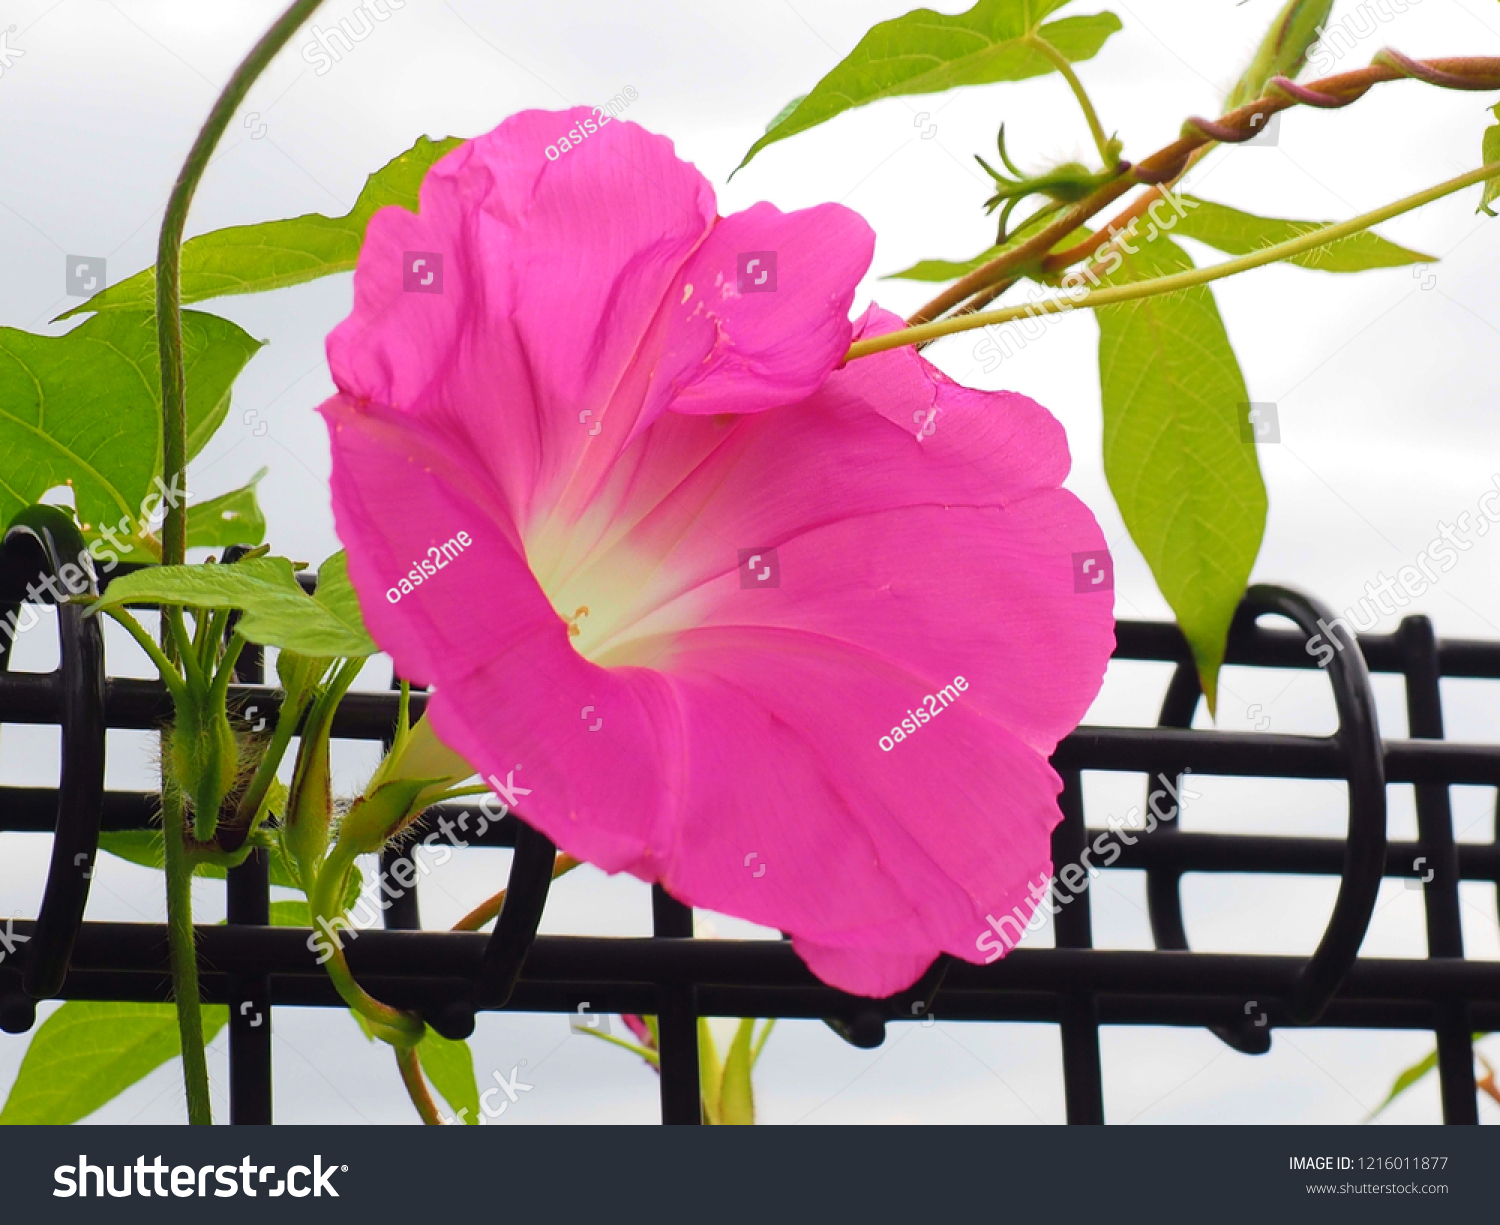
pixel 926 53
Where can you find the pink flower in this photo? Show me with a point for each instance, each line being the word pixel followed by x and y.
pixel 552 477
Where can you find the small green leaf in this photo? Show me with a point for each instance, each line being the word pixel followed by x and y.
pixel 1187 483
pixel 84 409
pixel 275 254
pixel 450 1067
pixel 1236 233
pixel 1489 155
pixel 143 847
pixel 952 270
pixel 1405 1081
pixel 277 612
pixel 1284 49
pixel 231 518
pixel 736 1096
pixel 89 1052
pixel 291 914
pixel 926 53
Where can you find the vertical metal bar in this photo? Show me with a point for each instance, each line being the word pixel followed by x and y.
pixel 677 1022
pixel 248 898
pixel 1439 872
pixel 1083 1074
pixel 250 1000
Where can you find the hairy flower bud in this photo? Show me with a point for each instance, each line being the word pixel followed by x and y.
pixel 1283 51
pixel 205 761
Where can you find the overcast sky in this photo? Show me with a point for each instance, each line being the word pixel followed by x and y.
pixel 1385 386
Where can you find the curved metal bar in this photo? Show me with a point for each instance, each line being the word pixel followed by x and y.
pixel 515 929
pixel 1358 739
pixel 48 539
pixel 1163 885
pixel 1359 743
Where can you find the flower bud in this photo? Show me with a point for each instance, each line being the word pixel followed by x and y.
pixel 1284 50
pixel 205 760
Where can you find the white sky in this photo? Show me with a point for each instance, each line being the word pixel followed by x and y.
pixel 1385 385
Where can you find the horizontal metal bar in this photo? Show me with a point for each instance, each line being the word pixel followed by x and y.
pixel 33 810
pixel 456 956
pixel 306 991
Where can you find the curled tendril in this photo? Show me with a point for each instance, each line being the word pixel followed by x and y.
pixel 1065 184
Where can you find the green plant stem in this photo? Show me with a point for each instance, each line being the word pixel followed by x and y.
pixel 400 1029
pixel 416 1086
pixel 1096 129
pixel 183 956
pixel 265 772
pixel 175 637
pixel 1177 281
pixel 170 677
pixel 183 953
pixel 169 268
pixel 225 674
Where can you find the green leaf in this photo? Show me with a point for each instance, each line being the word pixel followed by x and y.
pixel 231 518
pixel 1188 486
pixel 277 612
pixel 1284 49
pixel 450 1067
pixel 143 847
pixel 335 595
pixel 89 1052
pixel 275 254
pixel 291 914
pixel 1405 1081
pixel 84 409
pixel 952 270
pixel 1236 233
pixel 786 110
pixel 736 1096
pixel 1489 155
pixel 926 52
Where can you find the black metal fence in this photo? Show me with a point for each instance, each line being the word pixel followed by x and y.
pixel 448 976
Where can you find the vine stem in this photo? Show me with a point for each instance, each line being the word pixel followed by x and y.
pixel 1177 281
pixel 179 871
pixel 416 1086
pixel 183 956
pixel 1096 129
pixel 1169 162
